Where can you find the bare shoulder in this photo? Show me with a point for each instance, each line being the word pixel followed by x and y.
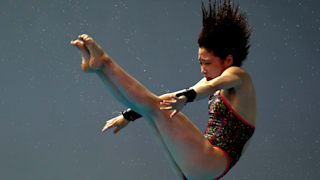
pixel 235 70
pixel 239 72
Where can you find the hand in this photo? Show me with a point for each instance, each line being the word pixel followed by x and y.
pixel 118 122
pixel 173 103
pixel 92 53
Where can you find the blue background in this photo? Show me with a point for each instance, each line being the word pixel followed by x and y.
pixel 51 113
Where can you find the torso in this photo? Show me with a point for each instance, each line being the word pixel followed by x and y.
pixel 243 102
pixel 227 130
pixel 241 99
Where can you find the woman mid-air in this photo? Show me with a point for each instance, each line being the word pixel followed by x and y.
pixel 223 45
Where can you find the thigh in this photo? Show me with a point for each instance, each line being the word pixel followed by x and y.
pixel 191 150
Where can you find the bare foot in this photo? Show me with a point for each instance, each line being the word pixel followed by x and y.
pixel 92 53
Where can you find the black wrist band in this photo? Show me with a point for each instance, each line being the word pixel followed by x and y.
pixel 189 93
pixel 130 115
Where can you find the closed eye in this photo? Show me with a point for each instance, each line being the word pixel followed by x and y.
pixel 203 62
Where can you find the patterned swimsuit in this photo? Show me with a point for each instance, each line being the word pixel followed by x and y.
pixel 226 130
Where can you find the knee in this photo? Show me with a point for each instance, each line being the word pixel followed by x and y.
pixel 149 108
pixel 203 169
pixel 201 173
pixel 201 176
pixel 152 108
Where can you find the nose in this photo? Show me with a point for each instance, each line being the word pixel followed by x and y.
pixel 203 70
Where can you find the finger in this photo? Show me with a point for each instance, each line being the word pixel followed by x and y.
pixel 176 98
pixel 173 96
pixel 107 126
pixel 174 113
pixel 164 104
pixel 116 130
pixel 168 101
pixel 181 98
pixel 166 108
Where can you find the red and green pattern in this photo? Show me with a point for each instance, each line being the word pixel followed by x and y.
pixel 226 129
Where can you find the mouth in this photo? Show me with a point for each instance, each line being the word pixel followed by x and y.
pixel 208 78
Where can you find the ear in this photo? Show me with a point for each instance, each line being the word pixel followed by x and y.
pixel 228 61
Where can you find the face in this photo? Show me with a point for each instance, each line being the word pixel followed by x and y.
pixel 212 66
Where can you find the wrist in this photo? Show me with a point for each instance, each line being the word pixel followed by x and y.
pixel 184 99
pixel 188 94
pixel 130 115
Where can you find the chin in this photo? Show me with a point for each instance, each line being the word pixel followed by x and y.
pixel 209 78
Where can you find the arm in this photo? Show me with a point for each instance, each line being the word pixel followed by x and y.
pixel 130 115
pixel 120 121
pixel 232 77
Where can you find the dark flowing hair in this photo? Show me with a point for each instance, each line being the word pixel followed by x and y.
pixel 225 31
